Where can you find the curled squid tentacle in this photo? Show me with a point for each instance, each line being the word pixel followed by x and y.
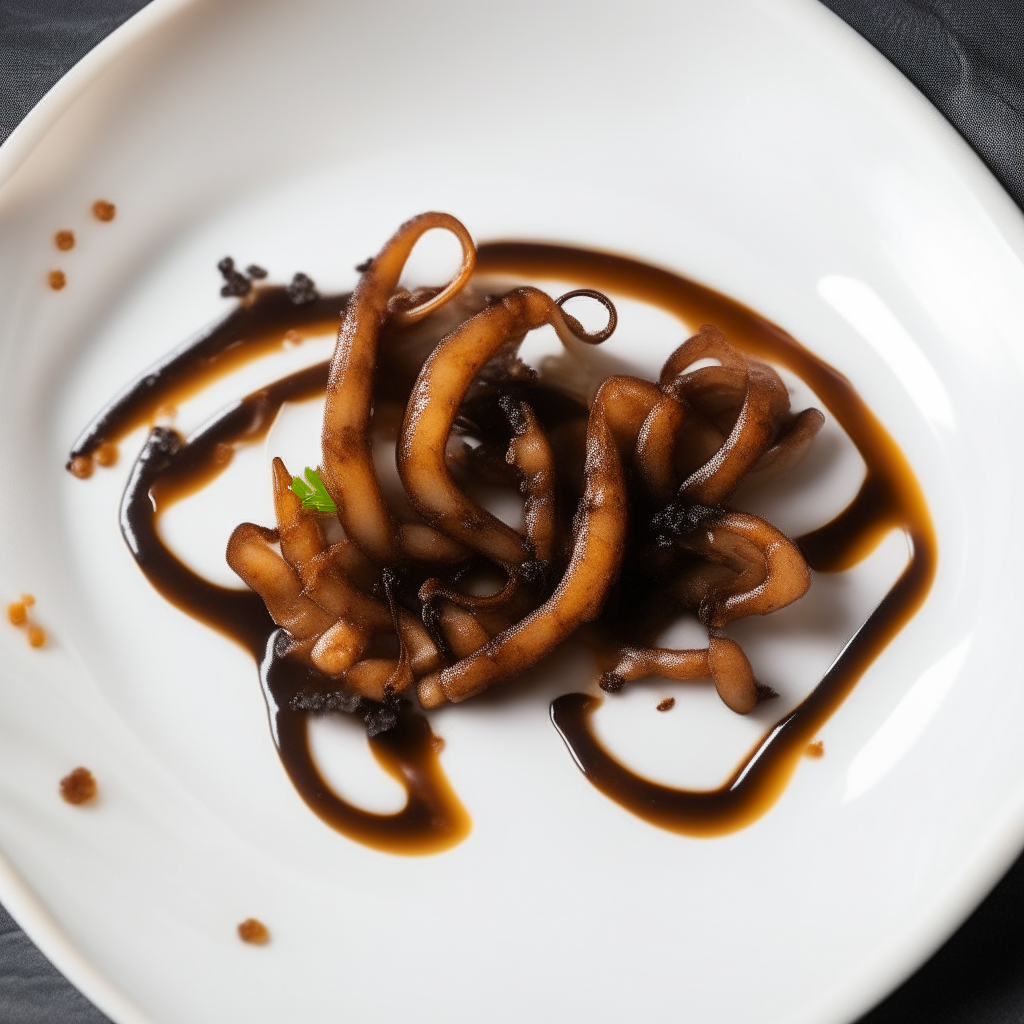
pixel 638 662
pixel 347 469
pixel 252 556
pixel 530 454
pixel 598 545
pixel 793 444
pixel 765 401
pixel 773 574
pixel 732 674
pixel 433 406
pixel 655 449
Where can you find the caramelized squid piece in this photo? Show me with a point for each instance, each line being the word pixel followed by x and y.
pixel 771 572
pixel 793 445
pixel 357 616
pixel 638 662
pixel 347 469
pixel 599 537
pixel 765 401
pixel 434 403
pixel 530 453
pixel 252 556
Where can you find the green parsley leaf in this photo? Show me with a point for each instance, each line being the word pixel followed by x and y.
pixel 313 494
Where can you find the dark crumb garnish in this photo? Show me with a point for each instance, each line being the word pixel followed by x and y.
pixel 815 749
pixel 611 683
pixel 667 704
pixel 362 268
pixel 380 719
pixel 254 932
pixel 383 717
pixel 335 700
pixel 765 692
pixel 302 290
pixel 681 519
pixel 79 787
pixel 256 272
pixel 235 284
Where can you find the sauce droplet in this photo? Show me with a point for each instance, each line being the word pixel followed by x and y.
pixel 64 240
pixel 57 280
pixel 17 613
pixel 106 454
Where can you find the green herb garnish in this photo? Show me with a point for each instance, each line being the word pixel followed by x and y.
pixel 313 494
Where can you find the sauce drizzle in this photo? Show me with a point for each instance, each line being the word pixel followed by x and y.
pixel 169 468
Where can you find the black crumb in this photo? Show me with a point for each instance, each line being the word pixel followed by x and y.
pixel 302 290
pixel 256 272
pixel 336 700
pixel 362 268
pixel 611 683
pixel 380 719
pixel 235 284
pixel 765 692
pixel 682 518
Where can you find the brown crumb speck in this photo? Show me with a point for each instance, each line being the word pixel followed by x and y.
pixel 64 240
pixel 291 339
pixel 79 787
pixel 437 742
pixel 254 932
pixel 81 466
pixel 36 636
pixel 57 280
pixel 102 210
pixel 667 704
pixel 106 454
pixel 28 600
pixel 815 749
pixel 17 613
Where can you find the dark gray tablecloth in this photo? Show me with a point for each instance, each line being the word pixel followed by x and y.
pixel 967 56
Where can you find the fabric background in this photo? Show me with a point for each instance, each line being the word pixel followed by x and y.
pixel 967 56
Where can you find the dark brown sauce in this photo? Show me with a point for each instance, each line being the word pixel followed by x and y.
pixel 890 498
pixel 170 468
pixel 252 329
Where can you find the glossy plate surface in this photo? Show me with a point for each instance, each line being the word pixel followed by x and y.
pixel 764 150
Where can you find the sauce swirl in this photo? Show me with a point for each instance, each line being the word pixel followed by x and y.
pixel 170 468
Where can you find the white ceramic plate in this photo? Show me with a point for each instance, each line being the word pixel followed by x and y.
pixel 762 149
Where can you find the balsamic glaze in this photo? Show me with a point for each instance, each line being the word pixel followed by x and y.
pixel 889 498
pixel 169 468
